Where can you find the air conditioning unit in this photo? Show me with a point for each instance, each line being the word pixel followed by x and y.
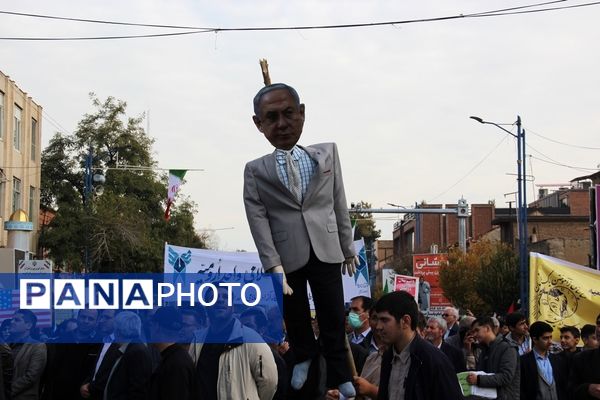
pixel 9 259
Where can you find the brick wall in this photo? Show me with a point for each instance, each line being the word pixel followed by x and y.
pixel 481 219
pixel 559 229
pixel 431 232
pixel 573 250
pixel 452 227
pixel 579 201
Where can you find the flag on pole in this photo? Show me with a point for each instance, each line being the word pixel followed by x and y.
pixel 388 277
pixel 10 301
pixel 175 180
pixel 562 293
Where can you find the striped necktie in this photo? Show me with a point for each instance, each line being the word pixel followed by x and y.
pixel 293 174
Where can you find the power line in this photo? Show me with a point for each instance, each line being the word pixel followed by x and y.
pixel 550 160
pixel 538 10
pixel 54 122
pixel 103 37
pixel 96 21
pixel 492 13
pixel 471 170
pixel 563 143
pixel 584 169
pixel 99 21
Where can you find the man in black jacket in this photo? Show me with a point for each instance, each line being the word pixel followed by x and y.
pixel 412 368
pixel 542 373
pixel 434 334
pixel 94 384
pixel 584 380
pixel 175 376
pixel 499 358
pixel 71 358
pixel 130 376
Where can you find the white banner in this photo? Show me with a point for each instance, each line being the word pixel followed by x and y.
pixel 35 267
pixel 187 260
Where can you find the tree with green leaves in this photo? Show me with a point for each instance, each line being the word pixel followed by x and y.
pixel 123 228
pixel 498 283
pixel 365 227
pixel 485 279
pixel 365 224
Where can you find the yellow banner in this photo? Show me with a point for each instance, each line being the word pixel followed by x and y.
pixel 562 293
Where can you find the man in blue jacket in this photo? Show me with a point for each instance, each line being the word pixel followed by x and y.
pixel 412 368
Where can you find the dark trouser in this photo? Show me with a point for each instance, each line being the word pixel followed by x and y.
pixel 328 295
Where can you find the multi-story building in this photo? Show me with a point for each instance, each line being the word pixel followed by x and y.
pixel 558 223
pixel 20 153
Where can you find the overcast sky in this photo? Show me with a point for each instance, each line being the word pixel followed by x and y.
pixel 396 99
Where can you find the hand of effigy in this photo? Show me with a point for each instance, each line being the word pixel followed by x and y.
pixel 278 269
pixel 349 265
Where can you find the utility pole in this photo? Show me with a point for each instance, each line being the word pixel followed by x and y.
pixel 87 191
pixel 90 180
pixel 521 208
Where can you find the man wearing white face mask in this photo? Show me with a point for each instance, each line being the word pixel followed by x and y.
pixel 358 319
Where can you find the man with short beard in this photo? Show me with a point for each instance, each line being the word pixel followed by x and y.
pixel 29 357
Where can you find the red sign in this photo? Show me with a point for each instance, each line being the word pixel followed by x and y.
pixel 427 268
pixel 409 284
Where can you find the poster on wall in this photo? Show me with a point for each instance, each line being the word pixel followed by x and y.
pixel 409 284
pixel 427 268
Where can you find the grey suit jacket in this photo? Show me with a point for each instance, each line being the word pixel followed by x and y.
pixel 30 361
pixel 283 228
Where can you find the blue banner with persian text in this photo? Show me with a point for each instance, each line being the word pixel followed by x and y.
pixel 165 308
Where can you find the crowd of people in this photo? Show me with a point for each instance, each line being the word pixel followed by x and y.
pixel 396 352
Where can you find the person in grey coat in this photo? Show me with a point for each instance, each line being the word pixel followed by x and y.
pixel 499 359
pixel 29 357
pixel 298 216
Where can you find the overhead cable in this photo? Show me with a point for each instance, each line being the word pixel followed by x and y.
pixel 196 30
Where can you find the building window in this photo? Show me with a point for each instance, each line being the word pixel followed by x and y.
pixel 17 128
pixel 1 115
pixel 16 194
pixel 31 203
pixel 34 133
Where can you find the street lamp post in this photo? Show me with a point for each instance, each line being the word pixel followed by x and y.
pixel 90 179
pixel 87 191
pixel 521 208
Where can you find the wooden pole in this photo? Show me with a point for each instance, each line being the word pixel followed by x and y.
pixel 350 358
pixel 264 67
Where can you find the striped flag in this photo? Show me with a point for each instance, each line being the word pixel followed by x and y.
pixel 175 180
pixel 10 302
